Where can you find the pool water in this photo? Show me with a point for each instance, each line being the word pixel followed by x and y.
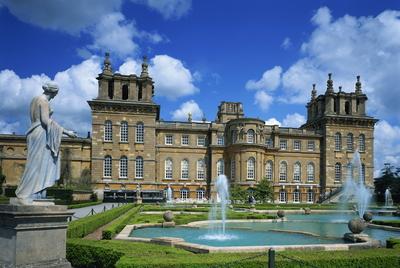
pixel 322 229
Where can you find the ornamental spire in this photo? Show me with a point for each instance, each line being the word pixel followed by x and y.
pixel 313 92
pixel 358 85
pixel 107 64
pixel 329 84
pixel 145 67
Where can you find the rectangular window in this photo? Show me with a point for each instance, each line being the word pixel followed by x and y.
pixel 311 145
pixel 296 197
pixel 168 139
pixel 283 144
pixel 220 140
pixel 139 133
pixel 184 194
pixel 201 141
pixel 124 132
pixel 310 197
pixel 201 170
pixel 282 197
pixel 200 194
pixel 297 145
pixel 185 140
pixel 269 143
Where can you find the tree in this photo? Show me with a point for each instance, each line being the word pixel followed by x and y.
pixel 390 178
pixel 264 191
pixel 238 193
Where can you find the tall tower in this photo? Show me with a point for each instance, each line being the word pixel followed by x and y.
pixel 123 125
pixel 345 127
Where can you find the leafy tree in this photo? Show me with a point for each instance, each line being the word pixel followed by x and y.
pixel 264 191
pixel 238 193
pixel 390 178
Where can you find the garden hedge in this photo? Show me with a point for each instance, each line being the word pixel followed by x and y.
pixel 393 243
pixel 83 204
pixel 82 227
pixel 119 224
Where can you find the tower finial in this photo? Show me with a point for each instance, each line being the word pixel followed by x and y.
pixel 329 84
pixel 145 67
pixel 358 85
pixel 107 63
pixel 189 117
pixel 340 88
pixel 313 92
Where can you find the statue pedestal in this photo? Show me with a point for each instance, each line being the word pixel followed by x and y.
pixel 33 236
pixel 139 200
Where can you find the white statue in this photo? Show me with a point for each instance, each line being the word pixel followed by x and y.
pixel 43 140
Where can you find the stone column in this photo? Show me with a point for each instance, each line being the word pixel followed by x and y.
pixel 33 236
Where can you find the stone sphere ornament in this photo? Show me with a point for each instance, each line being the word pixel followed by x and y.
pixel 168 216
pixel 356 225
pixel 367 216
pixel 280 213
pixel 307 211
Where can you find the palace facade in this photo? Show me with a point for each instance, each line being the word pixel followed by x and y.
pixel 132 152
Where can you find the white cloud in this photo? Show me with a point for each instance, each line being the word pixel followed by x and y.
pixel 172 79
pixel 130 66
pixel 263 100
pixel 273 121
pixel 270 80
pixel 62 14
pixel 286 44
pixel 322 17
pixel 386 145
pixel 169 9
pixel 77 84
pixel 293 120
pixel 191 106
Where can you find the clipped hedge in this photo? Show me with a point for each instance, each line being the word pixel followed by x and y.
pixel 144 255
pixel 65 195
pixel 9 191
pixel 84 204
pixel 83 255
pixel 87 225
pixel 393 223
pixel 119 224
pixel 393 243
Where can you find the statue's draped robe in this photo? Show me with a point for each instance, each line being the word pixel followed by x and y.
pixel 43 162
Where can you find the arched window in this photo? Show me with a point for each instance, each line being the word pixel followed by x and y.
pixel 251 168
pixel 123 167
pixel 310 172
pixel 361 141
pixel 139 133
pixel 233 168
pixel 107 167
pixel 283 171
pixel 201 169
pixel 296 196
pixel 220 167
pixel 363 173
pixel 282 196
pixel 350 142
pixel 250 136
pixel 184 169
pixel 139 167
pixel 338 142
pixel 110 89
pixel 269 170
pixel 200 194
pixel 168 169
pixel 347 107
pixel 234 136
pixel 338 172
pixel 108 131
pixel 124 131
pixel 310 196
pixel 297 172
pixel 184 194
pixel 125 92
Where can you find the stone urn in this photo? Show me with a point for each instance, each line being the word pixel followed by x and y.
pixel 168 216
pixel 307 211
pixel 356 225
pixel 280 213
pixel 367 216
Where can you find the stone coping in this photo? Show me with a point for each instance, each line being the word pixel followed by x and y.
pixel 362 242
pixel 383 227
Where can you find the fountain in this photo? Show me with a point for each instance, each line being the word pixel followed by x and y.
pixel 356 190
pixel 388 198
pixel 216 229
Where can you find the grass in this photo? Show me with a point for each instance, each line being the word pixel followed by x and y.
pixel 4 199
pixel 85 204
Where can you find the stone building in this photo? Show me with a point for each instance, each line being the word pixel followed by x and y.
pixel 133 152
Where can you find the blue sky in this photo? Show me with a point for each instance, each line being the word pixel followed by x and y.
pixel 265 54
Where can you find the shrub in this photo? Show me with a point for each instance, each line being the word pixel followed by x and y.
pixel 393 243
pixel 65 195
pixel 87 225
pixel 119 224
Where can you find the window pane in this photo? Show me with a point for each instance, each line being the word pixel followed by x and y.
pixel 140 133
pixel 184 169
pixel 139 167
pixel 107 167
pixel 108 131
pixel 123 167
pixel 124 132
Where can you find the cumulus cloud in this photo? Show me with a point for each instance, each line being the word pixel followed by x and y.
pixel 270 80
pixel 263 100
pixel 272 122
pixel 386 144
pixel 61 14
pixel 286 44
pixel 293 120
pixel 172 78
pixel 192 107
pixel 130 66
pixel 77 84
pixel 169 9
